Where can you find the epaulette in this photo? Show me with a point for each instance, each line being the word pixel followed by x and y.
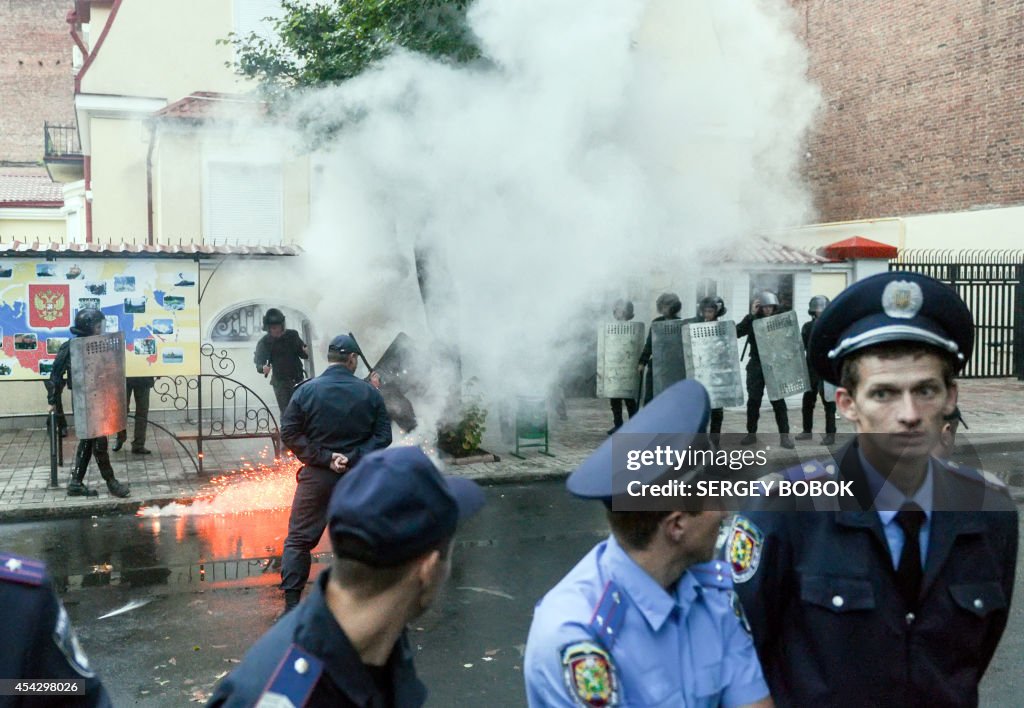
pixel 293 680
pixel 608 616
pixel 713 574
pixel 17 569
pixel 975 475
pixel 810 470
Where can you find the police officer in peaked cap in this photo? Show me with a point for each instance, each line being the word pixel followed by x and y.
pixel 646 618
pixel 392 521
pixel 898 593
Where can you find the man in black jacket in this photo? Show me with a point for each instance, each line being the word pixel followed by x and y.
pixel 766 305
pixel 330 424
pixel 668 306
pixel 897 593
pixel 814 309
pixel 279 354
pixel 137 387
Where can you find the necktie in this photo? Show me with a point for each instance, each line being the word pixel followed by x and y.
pixel 909 573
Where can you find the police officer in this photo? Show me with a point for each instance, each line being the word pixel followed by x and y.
pixel 39 641
pixel 391 520
pixel 137 387
pixel 645 619
pixel 88 322
pixel 622 312
pixel 668 306
pixel 766 305
pixel 709 309
pixel 897 595
pixel 814 309
pixel 279 353
pixel 331 422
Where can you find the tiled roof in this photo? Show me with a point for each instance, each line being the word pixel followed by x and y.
pixel 760 249
pixel 203 105
pixel 29 190
pixel 161 250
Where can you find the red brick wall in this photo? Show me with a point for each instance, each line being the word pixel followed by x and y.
pixel 36 78
pixel 923 105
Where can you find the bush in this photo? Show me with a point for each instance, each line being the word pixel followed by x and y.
pixel 462 435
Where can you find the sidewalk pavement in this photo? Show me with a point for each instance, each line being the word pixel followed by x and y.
pixel 992 408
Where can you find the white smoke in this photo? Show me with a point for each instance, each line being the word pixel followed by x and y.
pixel 598 148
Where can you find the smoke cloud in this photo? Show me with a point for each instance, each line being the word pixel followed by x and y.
pixel 595 151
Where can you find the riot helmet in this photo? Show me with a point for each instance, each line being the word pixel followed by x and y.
pixel 273 316
pixel 623 310
pixel 86 320
pixel 817 305
pixel 707 303
pixel 668 305
pixel 769 299
pixel 721 306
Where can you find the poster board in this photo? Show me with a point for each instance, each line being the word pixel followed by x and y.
pixel 155 303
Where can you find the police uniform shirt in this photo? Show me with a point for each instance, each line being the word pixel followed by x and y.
pixel 817 581
pixel 608 634
pixel 39 641
pixel 889 500
pixel 335 412
pixel 307 659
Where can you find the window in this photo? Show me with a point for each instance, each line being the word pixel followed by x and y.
pixel 707 287
pixel 245 323
pixel 243 203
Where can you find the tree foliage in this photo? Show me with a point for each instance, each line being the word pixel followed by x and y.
pixel 318 42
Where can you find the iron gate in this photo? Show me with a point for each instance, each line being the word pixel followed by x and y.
pixel 991 282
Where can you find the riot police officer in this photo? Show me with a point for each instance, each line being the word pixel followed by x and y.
pixel 331 422
pixel 88 322
pixel 279 353
pixel 39 641
pixel 622 311
pixel 814 309
pixel 646 618
pixel 391 520
pixel 668 306
pixel 765 305
pixel 898 594
pixel 709 309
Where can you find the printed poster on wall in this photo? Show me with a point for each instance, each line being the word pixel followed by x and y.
pixel 154 302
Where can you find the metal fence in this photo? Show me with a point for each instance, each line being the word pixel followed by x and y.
pixel 991 282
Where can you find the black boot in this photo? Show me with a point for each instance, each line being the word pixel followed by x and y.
pixel 291 601
pixel 78 489
pixel 118 489
pixel 786 441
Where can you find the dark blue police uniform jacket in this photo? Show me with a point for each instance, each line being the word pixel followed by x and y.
pixel 307 658
pixel 829 623
pixel 335 412
pixel 38 640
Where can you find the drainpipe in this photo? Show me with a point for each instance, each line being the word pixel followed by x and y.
pixel 149 185
pixel 87 165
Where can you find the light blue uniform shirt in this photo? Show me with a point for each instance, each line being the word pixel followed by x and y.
pixel 889 499
pixel 687 648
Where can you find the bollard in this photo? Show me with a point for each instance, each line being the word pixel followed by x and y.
pixel 55 446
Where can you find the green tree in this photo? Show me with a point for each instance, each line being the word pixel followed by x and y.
pixel 327 41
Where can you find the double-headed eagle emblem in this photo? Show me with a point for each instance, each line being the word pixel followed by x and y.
pixel 49 305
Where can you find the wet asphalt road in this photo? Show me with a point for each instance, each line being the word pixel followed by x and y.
pixel 209 584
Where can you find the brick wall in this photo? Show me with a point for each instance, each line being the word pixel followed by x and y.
pixel 36 78
pixel 923 105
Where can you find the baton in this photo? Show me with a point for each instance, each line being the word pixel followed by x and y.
pixel 359 351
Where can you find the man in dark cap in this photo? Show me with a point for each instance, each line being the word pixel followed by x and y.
pixel 39 641
pixel 816 306
pixel 898 593
pixel 331 422
pixel 392 520
pixel 279 354
pixel 646 618
pixel 88 322
pixel 764 305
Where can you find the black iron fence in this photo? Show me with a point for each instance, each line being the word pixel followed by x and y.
pixel 61 141
pixel 991 282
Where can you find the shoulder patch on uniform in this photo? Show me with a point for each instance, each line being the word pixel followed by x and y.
pixel 17 569
pixel 293 680
pixel 810 470
pixel 744 548
pixel 67 641
pixel 608 615
pixel 590 675
pixel 975 475
pixel 715 574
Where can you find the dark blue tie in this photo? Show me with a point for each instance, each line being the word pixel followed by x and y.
pixel 911 518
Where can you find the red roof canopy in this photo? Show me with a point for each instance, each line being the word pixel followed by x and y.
pixel 858 247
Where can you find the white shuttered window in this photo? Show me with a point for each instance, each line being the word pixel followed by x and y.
pixel 243 203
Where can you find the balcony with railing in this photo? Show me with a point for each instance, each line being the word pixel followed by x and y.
pixel 62 152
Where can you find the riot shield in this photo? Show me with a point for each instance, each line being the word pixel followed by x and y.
pixel 97 368
pixel 782 355
pixel 667 359
pixel 399 378
pixel 618 350
pixel 713 358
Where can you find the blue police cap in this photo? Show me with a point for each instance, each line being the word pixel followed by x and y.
pixel 394 506
pixel 890 307
pixel 675 417
pixel 344 344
